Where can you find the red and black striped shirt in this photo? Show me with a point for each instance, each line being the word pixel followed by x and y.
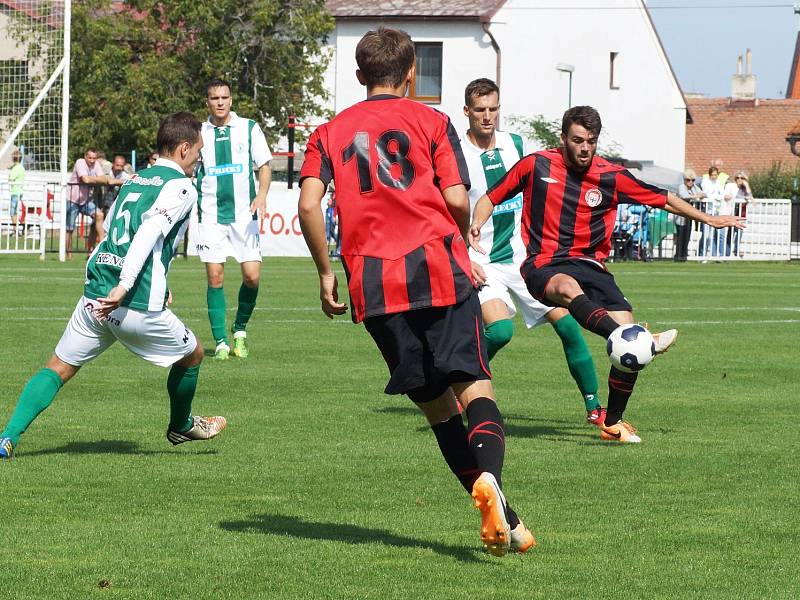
pixel 569 214
pixel 391 158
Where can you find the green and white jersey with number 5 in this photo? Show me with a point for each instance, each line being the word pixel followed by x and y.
pixel 226 179
pixel 500 236
pixel 164 193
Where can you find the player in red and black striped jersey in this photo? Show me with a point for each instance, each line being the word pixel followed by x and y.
pixel 401 190
pixel 570 199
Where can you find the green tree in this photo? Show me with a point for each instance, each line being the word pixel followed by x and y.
pixel 547 133
pixel 136 63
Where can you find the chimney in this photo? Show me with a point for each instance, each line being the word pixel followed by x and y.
pixel 743 86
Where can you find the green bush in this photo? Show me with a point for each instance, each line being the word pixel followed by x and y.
pixel 778 181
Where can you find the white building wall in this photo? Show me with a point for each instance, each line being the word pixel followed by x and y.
pixel 466 55
pixel 645 117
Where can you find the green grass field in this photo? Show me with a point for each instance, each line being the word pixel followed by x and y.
pixel 322 487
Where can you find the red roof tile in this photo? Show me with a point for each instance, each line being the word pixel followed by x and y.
pixel 745 134
pixel 388 9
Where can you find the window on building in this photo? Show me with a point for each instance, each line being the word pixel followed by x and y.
pixel 612 75
pixel 427 85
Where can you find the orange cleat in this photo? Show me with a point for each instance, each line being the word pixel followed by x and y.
pixel 522 539
pixel 489 499
pixel 621 432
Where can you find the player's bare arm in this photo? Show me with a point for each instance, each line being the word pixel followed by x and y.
pixel 264 181
pixel 312 223
pixel 678 206
pixel 483 210
pixel 457 202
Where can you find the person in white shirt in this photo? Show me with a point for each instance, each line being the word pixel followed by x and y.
pixel 235 156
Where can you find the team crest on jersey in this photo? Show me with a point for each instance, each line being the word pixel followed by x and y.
pixel 593 197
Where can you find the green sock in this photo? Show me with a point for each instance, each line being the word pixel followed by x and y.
pixel 216 313
pixel 579 359
pixel 181 384
pixel 37 395
pixel 247 302
pixel 498 334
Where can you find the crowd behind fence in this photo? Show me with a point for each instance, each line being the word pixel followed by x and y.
pixel 641 233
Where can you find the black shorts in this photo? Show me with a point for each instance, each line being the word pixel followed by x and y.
pixel 595 281
pixel 428 349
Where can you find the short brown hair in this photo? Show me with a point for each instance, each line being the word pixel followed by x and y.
pixel 478 88
pixel 385 56
pixel 585 116
pixel 217 82
pixel 176 129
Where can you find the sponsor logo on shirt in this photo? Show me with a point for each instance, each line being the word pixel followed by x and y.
pixel 593 197
pixel 513 205
pixel 146 181
pixel 106 258
pixel 221 170
pixel 163 212
pixel 492 167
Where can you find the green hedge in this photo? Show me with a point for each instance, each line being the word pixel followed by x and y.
pixel 779 181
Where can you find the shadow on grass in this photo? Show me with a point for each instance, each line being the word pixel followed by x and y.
pixel 100 447
pixel 285 525
pixel 569 428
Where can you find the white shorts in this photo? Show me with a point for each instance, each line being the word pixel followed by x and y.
pixel 503 282
pixel 157 336
pixel 216 242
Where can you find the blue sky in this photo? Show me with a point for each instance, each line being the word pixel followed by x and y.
pixel 704 37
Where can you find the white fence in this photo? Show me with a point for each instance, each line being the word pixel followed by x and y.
pixel 645 233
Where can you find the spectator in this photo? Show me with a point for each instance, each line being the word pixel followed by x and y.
pixel 714 191
pixel 86 173
pixel 16 179
pixel 120 173
pixel 330 220
pixel 152 158
pixel 737 194
pixel 689 191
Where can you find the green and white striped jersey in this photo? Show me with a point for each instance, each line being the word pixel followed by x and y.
pixel 500 236
pixel 226 179
pixel 162 192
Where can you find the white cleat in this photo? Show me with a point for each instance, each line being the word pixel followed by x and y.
pixel 664 340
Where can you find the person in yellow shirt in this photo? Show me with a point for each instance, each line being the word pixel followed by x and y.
pixel 16 179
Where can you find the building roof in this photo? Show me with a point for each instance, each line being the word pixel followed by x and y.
pixel 482 10
pixel 744 134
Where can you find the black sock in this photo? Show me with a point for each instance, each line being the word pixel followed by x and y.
pixel 452 438
pixel 592 316
pixel 486 436
pixel 620 388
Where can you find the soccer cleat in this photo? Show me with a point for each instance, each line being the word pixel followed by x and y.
pixel 240 344
pixel 621 432
pixel 596 416
pixel 489 499
pixel 222 351
pixel 664 340
pixel 203 428
pixel 522 539
pixel 6 448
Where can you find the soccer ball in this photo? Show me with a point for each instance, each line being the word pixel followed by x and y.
pixel 630 348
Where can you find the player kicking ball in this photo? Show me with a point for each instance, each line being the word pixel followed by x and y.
pixel 125 296
pixel 570 199
pixel 401 188
pixel 489 154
